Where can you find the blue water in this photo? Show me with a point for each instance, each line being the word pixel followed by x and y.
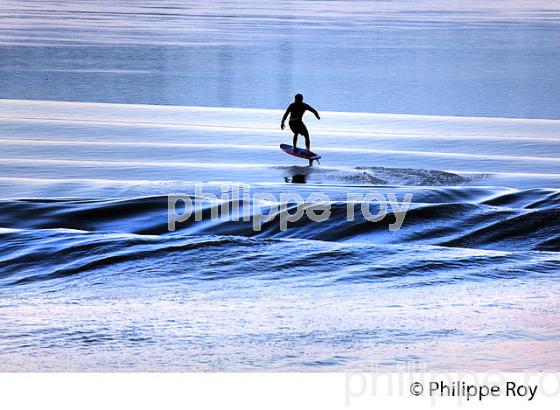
pixel 454 104
pixel 411 57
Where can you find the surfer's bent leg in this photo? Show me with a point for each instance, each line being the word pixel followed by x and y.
pixel 305 133
pixel 295 129
pixel 307 142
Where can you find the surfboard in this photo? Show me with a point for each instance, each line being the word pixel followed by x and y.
pixel 300 153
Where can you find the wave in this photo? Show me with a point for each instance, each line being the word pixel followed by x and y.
pixel 63 258
pixel 447 216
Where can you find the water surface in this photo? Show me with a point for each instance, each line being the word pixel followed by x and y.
pixel 413 97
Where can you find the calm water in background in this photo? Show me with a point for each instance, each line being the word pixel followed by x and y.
pixel 412 57
pixel 90 278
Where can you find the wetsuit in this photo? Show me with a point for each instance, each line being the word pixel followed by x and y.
pixel 296 111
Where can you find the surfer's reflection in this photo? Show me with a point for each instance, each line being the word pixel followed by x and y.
pixel 296 179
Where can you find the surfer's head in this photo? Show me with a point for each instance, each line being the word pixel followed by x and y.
pixel 298 98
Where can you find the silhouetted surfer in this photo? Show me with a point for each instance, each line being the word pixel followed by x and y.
pixel 296 111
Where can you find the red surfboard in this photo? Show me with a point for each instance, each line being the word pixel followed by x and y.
pixel 300 153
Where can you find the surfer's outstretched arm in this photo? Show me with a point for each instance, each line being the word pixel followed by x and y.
pixel 313 110
pixel 288 110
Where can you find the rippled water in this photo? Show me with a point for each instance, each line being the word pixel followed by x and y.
pixel 91 278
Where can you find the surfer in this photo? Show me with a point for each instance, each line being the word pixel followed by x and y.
pixel 296 111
